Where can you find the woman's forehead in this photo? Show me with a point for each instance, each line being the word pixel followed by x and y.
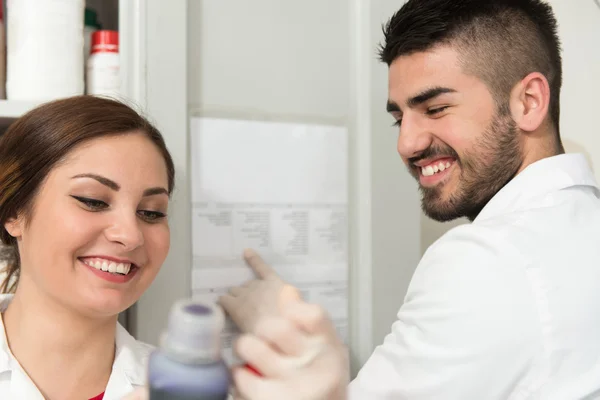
pixel 131 157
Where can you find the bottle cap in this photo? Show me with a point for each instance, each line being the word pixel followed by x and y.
pixel 105 41
pixel 193 334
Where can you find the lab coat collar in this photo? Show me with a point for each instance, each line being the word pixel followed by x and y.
pixel 542 177
pixel 5 358
pixel 129 366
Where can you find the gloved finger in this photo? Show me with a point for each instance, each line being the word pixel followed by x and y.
pixel 259 354
pixel 288 294
pixel 230 305
pixel 312 318
pixel 247 384
pixel 284 335
pixel 235 291
pixel 261 268
pixel 247 283
pixel 234 394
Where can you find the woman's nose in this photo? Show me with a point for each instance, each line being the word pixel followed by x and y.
pixel 126 231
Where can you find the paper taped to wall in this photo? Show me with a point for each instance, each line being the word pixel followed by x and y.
pixel 281 189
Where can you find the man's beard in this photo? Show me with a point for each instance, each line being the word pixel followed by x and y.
pixel 484 170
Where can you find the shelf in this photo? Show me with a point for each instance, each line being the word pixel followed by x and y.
pixel 108 15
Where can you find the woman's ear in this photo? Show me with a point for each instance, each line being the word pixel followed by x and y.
pixel 14 227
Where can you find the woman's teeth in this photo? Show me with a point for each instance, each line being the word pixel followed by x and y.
pixel 109 266
pixel 435 168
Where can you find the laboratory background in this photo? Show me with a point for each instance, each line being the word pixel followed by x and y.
pixel 293 63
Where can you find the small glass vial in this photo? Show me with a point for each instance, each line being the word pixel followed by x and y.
pixel 188 365
pixel 103 76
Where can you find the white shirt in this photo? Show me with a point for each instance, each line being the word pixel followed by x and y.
pixel 507 307
pixel 129 367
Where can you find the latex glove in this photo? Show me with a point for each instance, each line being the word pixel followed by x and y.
pixel 259 298
pixel 298 354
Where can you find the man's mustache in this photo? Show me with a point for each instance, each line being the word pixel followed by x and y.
pixel 434 152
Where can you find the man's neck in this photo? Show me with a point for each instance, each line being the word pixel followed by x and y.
pixel 539 147
pixel 59 349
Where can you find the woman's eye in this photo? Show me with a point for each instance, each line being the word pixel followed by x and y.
pixel 92 204
pixel 397 122
pixel 151 216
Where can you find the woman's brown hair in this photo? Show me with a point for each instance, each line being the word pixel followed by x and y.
pixel 38 140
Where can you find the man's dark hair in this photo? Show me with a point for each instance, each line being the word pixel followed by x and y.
pixel 499 41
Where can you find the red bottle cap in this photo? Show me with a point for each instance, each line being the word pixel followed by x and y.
pixel 105 41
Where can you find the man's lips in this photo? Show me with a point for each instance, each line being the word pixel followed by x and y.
pixel 432 172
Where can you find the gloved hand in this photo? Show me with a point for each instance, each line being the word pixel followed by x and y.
pixel 298 354
pixel 259 298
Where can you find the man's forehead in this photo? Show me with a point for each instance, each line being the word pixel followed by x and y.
pixel 409 75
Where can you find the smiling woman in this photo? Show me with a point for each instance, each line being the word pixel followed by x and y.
pixel 84 191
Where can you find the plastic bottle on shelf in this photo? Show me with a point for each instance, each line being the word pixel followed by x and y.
pixel 103 77
pixel 90 25
pixel 44 45
pixel 188 365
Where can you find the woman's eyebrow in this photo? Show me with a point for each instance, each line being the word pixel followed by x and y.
pixel 155 190
pixel 116 187
pixel 103 180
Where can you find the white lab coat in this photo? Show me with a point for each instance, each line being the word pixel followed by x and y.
pixel 129 368
pixel 507 307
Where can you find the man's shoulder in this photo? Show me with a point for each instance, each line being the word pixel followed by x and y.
pixel 554 226
pixel 473 261
pixel 493 241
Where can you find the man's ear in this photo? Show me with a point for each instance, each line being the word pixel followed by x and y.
pixel 530 102
pixel 14 227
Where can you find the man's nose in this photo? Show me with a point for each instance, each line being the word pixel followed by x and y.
pixel 414 137
pixel 126 231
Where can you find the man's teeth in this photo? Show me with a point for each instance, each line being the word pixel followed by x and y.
pixel 435 168
pixel 109 266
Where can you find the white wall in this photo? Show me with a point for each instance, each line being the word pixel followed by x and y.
pixel 269 59
pixel 303 61
pixel 160 87
pixel 315 61
pixel 579 28
pixel 395 200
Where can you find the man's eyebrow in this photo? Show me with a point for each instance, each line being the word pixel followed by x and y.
pixel 103 180
pixel 392 107
pixel 428 95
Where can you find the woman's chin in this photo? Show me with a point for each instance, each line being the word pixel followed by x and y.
pixel 105 305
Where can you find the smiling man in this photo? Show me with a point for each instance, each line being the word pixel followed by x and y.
pixel 507 307
pixel 469 121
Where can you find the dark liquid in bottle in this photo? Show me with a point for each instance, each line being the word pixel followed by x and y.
pixel 161 394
